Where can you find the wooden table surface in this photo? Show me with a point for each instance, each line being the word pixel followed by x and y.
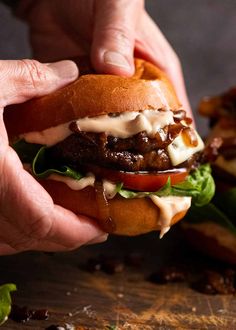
pixel 97 300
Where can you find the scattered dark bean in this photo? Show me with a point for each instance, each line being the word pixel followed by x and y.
pixel 93 264
pixel 54 327
pixel 109 265
pixel 212 282
pixel 168 275
pixel 40 314
pixel 65 326
pixel 24 314
pixel 20 314
pixel 112 265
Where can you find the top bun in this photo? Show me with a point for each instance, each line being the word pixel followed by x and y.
pixel 93 95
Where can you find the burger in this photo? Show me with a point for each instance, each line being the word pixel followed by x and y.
pixel 212 228
pixel 119 150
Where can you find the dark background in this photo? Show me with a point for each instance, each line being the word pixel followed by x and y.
pixel 202 32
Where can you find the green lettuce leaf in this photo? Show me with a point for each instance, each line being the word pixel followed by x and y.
pixel 35 154
pixel 26 151
pixel 41 171
pixel 5 301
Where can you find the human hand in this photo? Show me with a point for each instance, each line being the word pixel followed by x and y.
pixel 29 220
pixel 110 31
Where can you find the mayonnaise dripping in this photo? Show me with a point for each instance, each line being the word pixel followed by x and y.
pixel 169 206
pixel 122 126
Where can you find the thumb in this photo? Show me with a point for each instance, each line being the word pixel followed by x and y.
pixel 114 36
pixel 24 79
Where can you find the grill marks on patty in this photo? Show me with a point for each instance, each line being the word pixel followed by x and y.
pixel 136 153
pixel 83 148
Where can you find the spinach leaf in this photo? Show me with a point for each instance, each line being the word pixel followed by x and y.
pixel 5 301
pixel 40 171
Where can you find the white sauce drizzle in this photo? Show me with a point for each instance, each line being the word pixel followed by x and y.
pixel 123 126
pixel 128 123
pixel 109 189
pixel 169 206
pixel 74 184
pixel 49 136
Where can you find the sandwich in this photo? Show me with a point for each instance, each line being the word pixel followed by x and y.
pixel 119 150
pixel 212 228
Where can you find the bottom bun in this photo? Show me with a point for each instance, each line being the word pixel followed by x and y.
pixel 212 239
pixel 127 216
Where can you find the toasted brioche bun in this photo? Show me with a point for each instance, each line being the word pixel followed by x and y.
pixel 212 239
pixel 130 216
pixel 93 95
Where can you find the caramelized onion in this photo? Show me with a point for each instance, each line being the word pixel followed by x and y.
pixel 174 131
pixel 179 115
pixel 190 137
pixel 188 120
pixel 104 218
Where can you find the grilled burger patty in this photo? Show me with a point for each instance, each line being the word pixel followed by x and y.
pixel 137 153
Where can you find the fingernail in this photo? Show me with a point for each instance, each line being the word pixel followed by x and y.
pixel 98 239
pixel 65 69
pixel 116 59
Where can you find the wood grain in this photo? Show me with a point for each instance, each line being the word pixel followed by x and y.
pixel 126 300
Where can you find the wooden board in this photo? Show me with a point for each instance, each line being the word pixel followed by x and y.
pixel 98 300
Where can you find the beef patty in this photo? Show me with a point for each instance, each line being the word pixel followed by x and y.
pixel 137 153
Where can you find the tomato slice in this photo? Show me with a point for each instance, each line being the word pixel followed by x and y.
pixel 140 181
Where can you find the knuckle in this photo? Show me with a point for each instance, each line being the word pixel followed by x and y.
pixel 33 72
pixel 39 228
pixel 119 36
pixel 22 244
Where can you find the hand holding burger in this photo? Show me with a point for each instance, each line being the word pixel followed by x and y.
pixel 120 150
pixel 29 220
pixel 111 32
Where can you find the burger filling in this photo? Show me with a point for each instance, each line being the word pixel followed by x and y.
pixel 151 153
pixel 151 140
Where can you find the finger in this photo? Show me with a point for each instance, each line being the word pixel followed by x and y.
pixel 48 246
pixel 32 215
pixel 73 230
pixel 6 249
pixel 152 45
pixel 24 79
pixel 14 239
pixel 114 35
